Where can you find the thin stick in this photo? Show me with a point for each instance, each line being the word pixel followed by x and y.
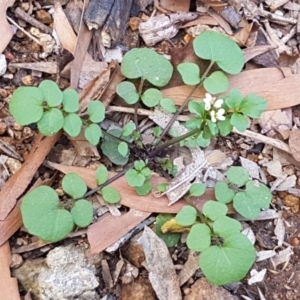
pixel 19 27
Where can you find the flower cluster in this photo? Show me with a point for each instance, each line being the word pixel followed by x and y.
pixel 214 105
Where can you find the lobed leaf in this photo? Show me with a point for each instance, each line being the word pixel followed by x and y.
pixel 239 121
pixel 237 175
pixel 253 106
pixel 134 178
pixel 214 210
pixel 216 83
pixel 223 193
pixel 145 189
pixel 225 227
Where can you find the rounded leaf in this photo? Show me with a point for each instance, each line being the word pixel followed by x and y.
pixel 219 48
pixel 187 216
pixel 239 121
pixel 51 122
pixel 168 105
pixel 42 217
pixel 26 105
pixel 127 91
pixel 110 149
pixel 82 213
pixel 199 238
pixel 246 206
pixel 96 111
pixel 139 165
pixel 190 73
pixel 223 193
pixel 101 175
pixel 51 93
pixel 145 189
pixel 70 101
pixel 237 175
pixel 123 149
pixel 151 97
pixel 259 193
pixel 229 263
pixel 134 178
pixel 93 134
pixel 72 124
pixel 225 227
pixel 110 194
pixel 74 185
pixel 214 210
pixel 147 64
pixel 216 83
pixel 128 129
pixel 197 189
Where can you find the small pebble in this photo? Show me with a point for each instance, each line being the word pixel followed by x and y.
pixel 44 16
pixel 13 165
pixel 290 200
pixel 16 261
pixel 17 127
pixel 3 64
pixel 27 132
pixel 295 242
pixel 28 80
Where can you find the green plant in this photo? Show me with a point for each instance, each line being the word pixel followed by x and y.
pixel 226 254
pixel 54 110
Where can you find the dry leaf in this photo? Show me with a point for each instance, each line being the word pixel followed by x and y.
pixel 160 266
pixel 174 5
pixel 189 268
pixel 6 30
pixel 257 276
pixel 294 143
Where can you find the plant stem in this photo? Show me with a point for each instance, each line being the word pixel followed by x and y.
pixel 135 117
pixel 166 129
pixel 173 141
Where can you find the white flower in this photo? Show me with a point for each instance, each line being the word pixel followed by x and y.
pixel 208 100
pixel 220 114
pixel 218 103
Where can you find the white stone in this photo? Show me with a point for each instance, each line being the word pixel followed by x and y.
pixel 3 64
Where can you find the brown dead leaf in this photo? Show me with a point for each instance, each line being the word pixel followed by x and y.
pixel 109 229
pixel 175 6
pixel 203 20
pixel 294 143
pixel 269 83
pixel 17 184
pixel 6 30
pixel 8 285
pixel 252 52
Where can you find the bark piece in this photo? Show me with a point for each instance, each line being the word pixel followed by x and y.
pixel 97 12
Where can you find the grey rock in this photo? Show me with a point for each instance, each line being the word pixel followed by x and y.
pixel 64 275
pixel 3 64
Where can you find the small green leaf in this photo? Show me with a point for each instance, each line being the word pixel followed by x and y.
pixel 157 131
pixel 123 149
pixel 147 64
pixel 109 148
pixel 225 227
pixel 145 189
pixel 151 97
pixel 245 206
pixel 194 123
pixel 74 185
pixel 82 213
pixel 146 172
pixel 101 175
pixel 197 189
pixel 239 121
pixel 216 83
pixel 223 193
pixel 253 106
pixel 225 127
pixel 171 239
pixel 96 111
pixel 237 175
pixel 168 105
pixel 110 194
pixel 70 101
pixel 234 99
pixel 127 91
pixel 134 178
pixel 162 187
pixel 259 193
pixel 201 141
pixel 139 165
pixel 208 46
pixel 214 210
pixel 197 107
pixel 72 124
pixel 51 122
pixel 128 129
pixel 187 216
pixel 42 217
pixel 51 93
pixel 26 105
pixel 199 238
pixel 190 73
pixel 213 128
pixel 93 134
pixel 229 263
